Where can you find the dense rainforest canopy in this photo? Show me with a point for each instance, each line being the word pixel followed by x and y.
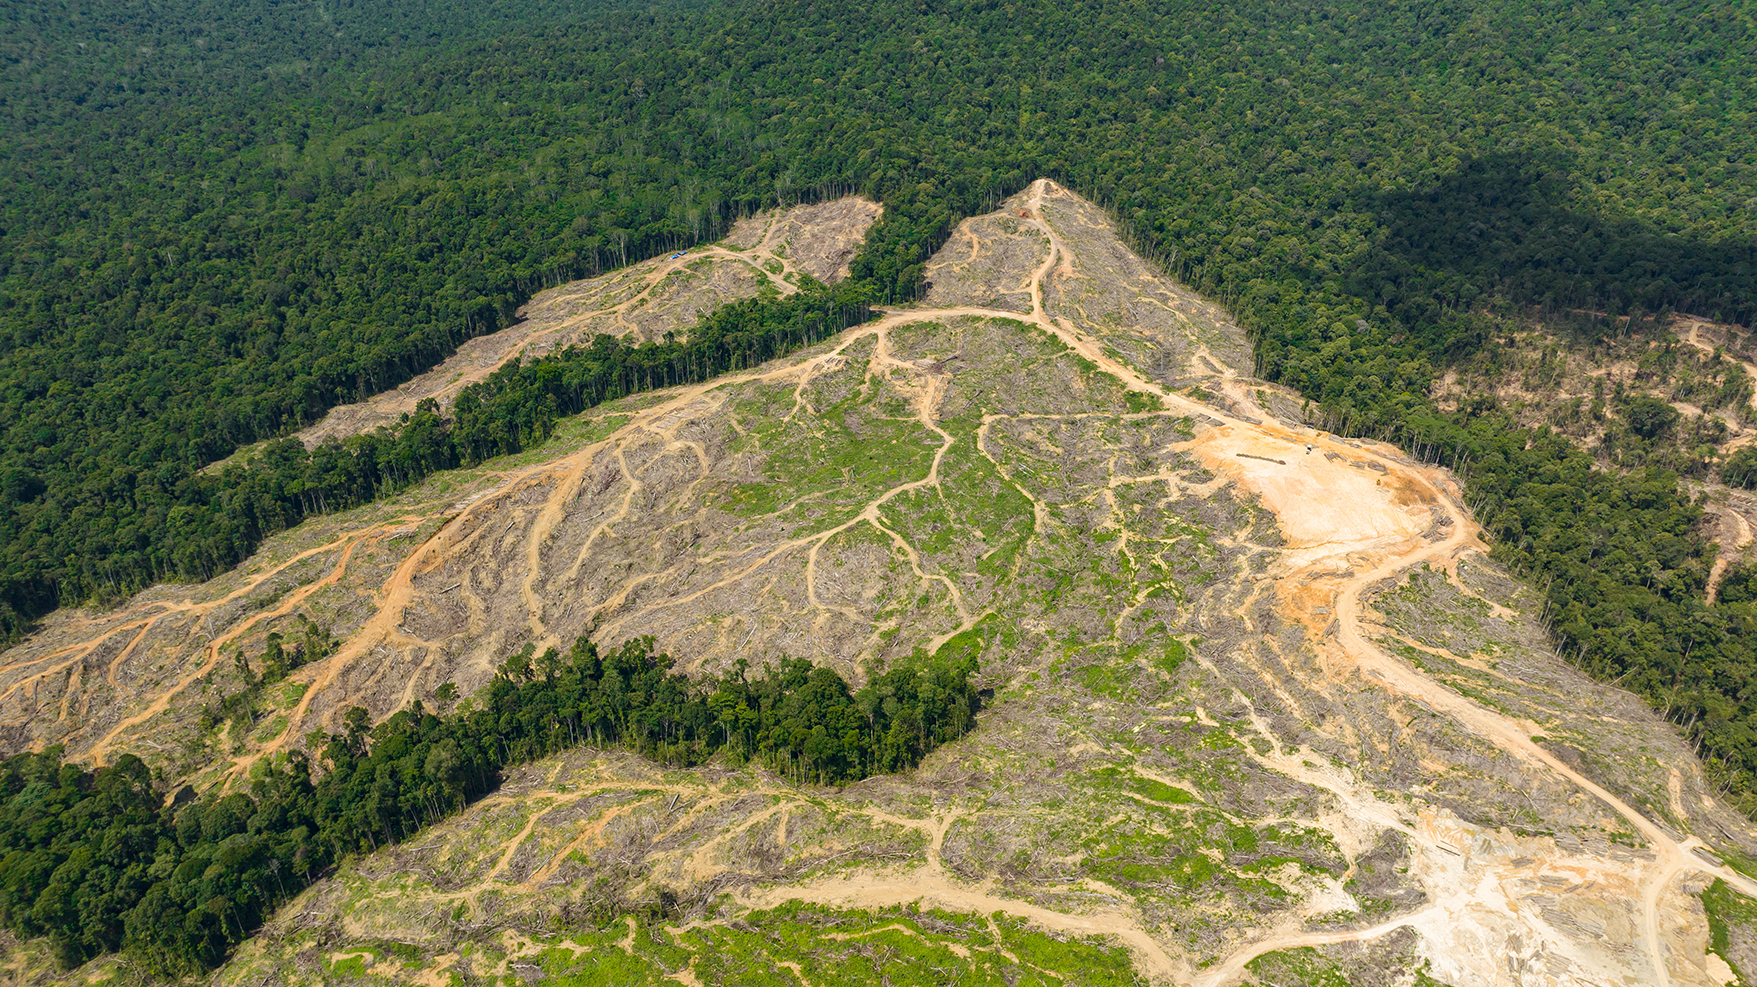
pixel 218 221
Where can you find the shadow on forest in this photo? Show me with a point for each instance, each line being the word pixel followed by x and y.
pixel 1508 224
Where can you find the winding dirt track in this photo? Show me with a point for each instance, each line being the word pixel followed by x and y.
pixel 1674 856
pixel 1225 437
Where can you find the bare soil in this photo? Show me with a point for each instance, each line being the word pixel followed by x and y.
pixel 1248 697
pixel 640 302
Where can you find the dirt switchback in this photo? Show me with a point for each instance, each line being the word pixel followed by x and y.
pixel 1263 710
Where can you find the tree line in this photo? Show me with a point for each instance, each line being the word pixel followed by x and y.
pixel 192 261
pixel 189 524
pixel 98 862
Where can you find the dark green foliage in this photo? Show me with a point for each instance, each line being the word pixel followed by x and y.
pixel 75 849
pixel 96 862
pixel 1740 469
pixel 1650 418
pixel 1739 585
pixel 1624 575
pixel 213 243
pixel 241 708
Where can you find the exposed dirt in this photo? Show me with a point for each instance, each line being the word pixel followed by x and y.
pixel 1329 769
pixel 642 301
pixel 1729 341
pixel 1732 514
pixel 1548 374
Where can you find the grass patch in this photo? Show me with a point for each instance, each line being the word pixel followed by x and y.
pixel 1732 917
pixel 1139 403
pixel 1158 791
pixel 1175 654
pixel 1297 966
pixel 904 947
pixel 288 694
pixel 1103 680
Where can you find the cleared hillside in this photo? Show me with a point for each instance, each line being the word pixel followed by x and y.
pixel 1261 706
pixel 641 302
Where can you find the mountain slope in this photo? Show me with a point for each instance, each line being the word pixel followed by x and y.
pixel 192 262
pixel 1261 706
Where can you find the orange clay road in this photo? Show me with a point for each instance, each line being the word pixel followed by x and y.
pixel 1396 547
pixel 1391 540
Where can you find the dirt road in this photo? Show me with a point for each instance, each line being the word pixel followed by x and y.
pixel 1358 512
pixel 1223 444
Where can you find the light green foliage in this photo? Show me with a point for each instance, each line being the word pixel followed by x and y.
pixel 1302 966
pixel 351 964
pixel 904 947
pixel 824 462
pixel 1175 653
pixel 1732 922
pixel 1139 403
pixel 1158 791
pixel 1104 680
pixel 897 946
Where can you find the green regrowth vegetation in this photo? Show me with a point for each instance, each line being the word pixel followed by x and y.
pixel 901 946
pixel 97 862
pixel 1303 966
pixel 906 947
pixel 1147 788
pixel 826 467
pixel 1732 920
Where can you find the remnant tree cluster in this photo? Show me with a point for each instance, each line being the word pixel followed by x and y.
pixel 97 862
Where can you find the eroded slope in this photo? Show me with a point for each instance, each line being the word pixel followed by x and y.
pixel 1261 708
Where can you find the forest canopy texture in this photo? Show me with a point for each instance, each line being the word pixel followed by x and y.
pixel 217 221
pixel 97 862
